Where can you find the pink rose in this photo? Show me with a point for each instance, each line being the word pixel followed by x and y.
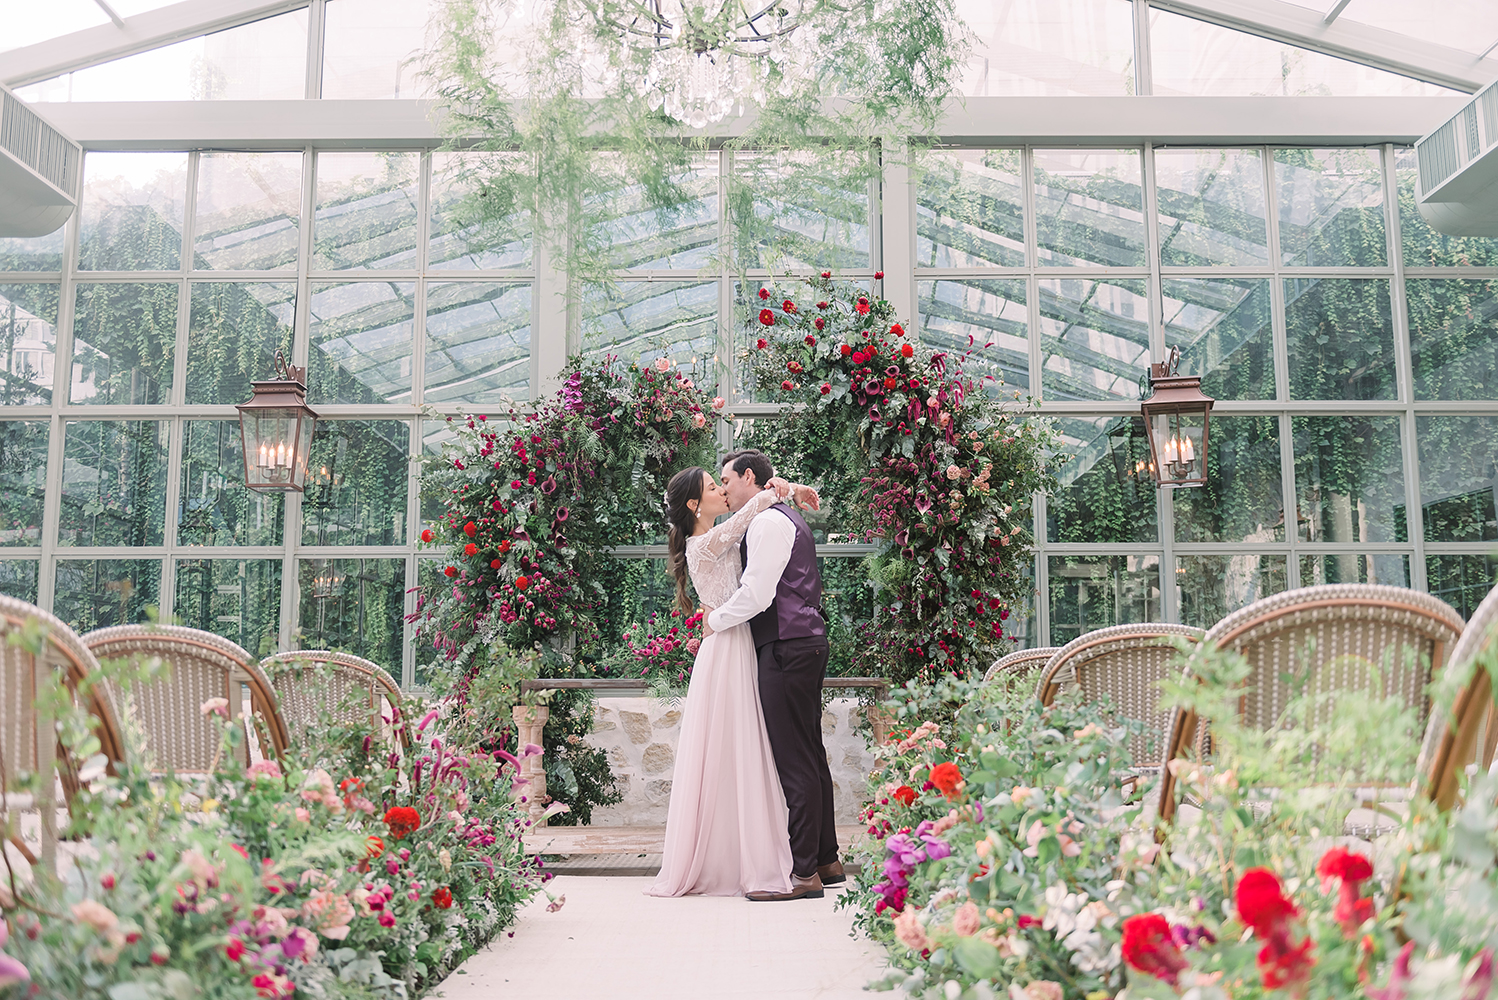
pixel 267 768
pixel 966 921
pixel 215 706
pixel 909 930
pixel 698 420
pixel 718 402
pixel 96 915
pixel 693 645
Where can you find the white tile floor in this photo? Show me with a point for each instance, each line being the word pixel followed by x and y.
pixel 611 940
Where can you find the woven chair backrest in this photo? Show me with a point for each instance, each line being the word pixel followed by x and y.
pixel 1020 663
pixel 1126 663
pixel 18 680
pixel 201 665
pixel 355 691
pixel 1454 741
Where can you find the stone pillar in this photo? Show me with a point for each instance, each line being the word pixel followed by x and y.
pixel 530 720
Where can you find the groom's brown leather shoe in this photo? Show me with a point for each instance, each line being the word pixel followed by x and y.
pixel 801 888
pixel 831 874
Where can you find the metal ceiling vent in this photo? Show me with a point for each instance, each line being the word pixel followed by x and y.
pixel 38 171
pixel 1458 167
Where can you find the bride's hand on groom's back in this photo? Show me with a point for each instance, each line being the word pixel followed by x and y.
pixel 807 498
pixel 780 486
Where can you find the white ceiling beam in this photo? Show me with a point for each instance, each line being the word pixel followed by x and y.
pixel 1362 43
pixel 1194 121
pixel 138 33
pixel 1336 11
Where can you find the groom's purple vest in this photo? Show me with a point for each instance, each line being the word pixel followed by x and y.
pixel 795 613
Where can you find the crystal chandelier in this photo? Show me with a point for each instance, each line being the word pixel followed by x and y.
pixel 699 62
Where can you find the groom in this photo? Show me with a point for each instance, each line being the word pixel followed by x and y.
pixel 779 596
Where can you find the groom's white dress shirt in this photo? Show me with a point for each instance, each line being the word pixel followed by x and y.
pixel 770 537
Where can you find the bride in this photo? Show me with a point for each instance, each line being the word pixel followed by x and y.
pixel 726 830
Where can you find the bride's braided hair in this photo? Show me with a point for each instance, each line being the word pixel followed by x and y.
pixel 681 521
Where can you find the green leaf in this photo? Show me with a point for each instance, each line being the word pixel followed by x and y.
pixel 978 957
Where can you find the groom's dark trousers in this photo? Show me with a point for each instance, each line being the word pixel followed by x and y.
pixel 790 690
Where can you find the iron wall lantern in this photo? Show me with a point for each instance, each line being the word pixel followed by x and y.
pixel 1176 416
pixel 276 426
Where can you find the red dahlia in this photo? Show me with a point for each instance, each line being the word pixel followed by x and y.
pixel 403 821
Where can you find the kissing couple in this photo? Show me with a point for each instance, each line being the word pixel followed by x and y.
pixel 751 796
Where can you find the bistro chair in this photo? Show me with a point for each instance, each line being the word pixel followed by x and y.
pixel 1344 634
pixel 310 683
pixel 1468 734
pixel 27 739
pixel 1019 664
pixel 201 665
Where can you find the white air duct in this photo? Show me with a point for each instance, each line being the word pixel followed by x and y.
pixel 1458 167
pixel 38 171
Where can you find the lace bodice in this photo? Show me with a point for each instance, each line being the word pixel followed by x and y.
pixel 713 557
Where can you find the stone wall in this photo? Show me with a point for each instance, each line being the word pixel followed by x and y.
pixel 639 735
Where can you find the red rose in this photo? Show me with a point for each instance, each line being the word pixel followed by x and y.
pixel 826 274
pixel 451 571
pixel 863 308
pixel 470 529
pixel 515 484
pixel 1261 902
pixel 442 898
pixel 878 275
pixel 788 306
pixel 905 795
pixel 859 357
pixel 847 350
pixel 761 343
pixel 872 350
pixel 426 534
pixel 1147 946
pixel 890 383
pixel 794 367
pixel 820 323
pixel 1341 863
pixel 504 546
pixel 403 821
pixel 897 330
pixel 826 388
pixel 470 549
pixel 787 385
pixel 810 340
pixel 521 582
pixel 822 305
pixel 947 779
pixel 906 350
pixel 767 317
pixel 764 293
pixel 234 950
pixel 494 563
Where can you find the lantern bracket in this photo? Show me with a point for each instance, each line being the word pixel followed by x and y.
pixel 291 373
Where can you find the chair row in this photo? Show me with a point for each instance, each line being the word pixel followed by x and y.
pixel 1349 630
pixel 287 693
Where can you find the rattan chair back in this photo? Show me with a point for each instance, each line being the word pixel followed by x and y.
pixel 1349 637
pixel 1126 663
pixel 1454 741
pixel 1019 664
pixel 352 689
pixel 201 665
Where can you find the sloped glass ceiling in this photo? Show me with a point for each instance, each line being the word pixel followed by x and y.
pixel 1469 25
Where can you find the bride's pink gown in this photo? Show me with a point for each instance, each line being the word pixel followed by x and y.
pixel 726 830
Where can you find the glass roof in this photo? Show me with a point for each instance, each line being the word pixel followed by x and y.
pixel 1469 25
pixel 29 23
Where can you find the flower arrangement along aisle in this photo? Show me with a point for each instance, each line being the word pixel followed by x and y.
pixel 924 459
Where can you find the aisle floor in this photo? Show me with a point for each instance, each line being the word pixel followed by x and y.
pixel 611 940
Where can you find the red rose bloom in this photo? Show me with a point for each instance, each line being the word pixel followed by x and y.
pixel 451 571
pixel 859 357
pixel 1261 902
pixel 426 534
pixel 826 388
pixel 846 350
pixel 470 529
pixel 787 385
pixel 822 305
pixel 470 549
pixel 905 795
pixel 810 340
pixel 947 778
pixel 826 274
pixel 897 330
pixel 504 546
pixel 1147 946
pixel 820 323
pixel 788 306
pixel 1027 920
pixel 403 821
pixel 767 317
pixel 521 582
pixel 234 950
pixel 764 293
pixel 878 275
pixel 872 349
pixel 906 351
pixel 442 898
pixel 863 308
pixel 761 343
pixel 793 366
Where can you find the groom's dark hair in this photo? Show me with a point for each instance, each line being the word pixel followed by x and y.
pixel 756 461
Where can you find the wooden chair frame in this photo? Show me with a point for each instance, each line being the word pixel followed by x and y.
pixel 1450 741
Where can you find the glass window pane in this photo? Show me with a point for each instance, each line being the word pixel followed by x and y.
pixel 1094 337
pixel 215 508
pixel 124 337
pixel 132 211
pixel 799 457
pixel 372 49
pixel 1349 479
pixel 1209 588
pixel 638 236
pixel 1457 456
pixel 1453 337
pixel 23 480
pixel 464 238
pixel 799 210
pixel 362 337
pixel 356 483
pixel 437 481
pixel 356 605
pixel 1048 48
pixel 1211 207
pixel 1340 335
pixel 478 342
pixel 262 61
pixel 1190 57
pixel 27 24
pixel 644 320
pixel 1389 569
pixel 986 315
pixel 1106 493
pixel 1462 581
pixel 970 209
pixel 239 599
pixel 37 253
pixel 1423 246
pixel 1222 326
pixel 113 482
pixel 28 334
pixel 1331 207
pixel 1242 500
pixel 366 212
pixel 98 593
pixel 18 579
pixel 1089 207
pixel 1092 592
pixel 249 211
pixel 234 330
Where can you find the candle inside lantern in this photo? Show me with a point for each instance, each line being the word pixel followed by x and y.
pixel 1188 454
